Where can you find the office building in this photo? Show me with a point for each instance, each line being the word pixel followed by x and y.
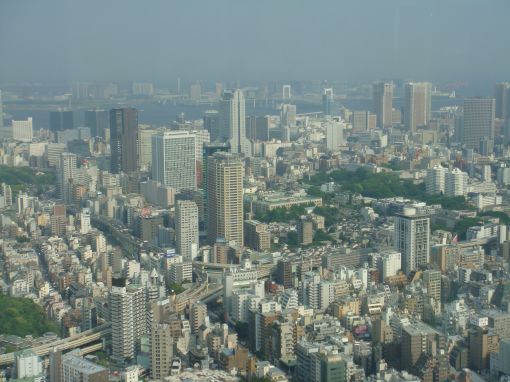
pixel 98 121
pixel 145 148
pixel 257 128
pixel 162 350
pixel 61 120
pixel 1 111
pixel 225 198
pixel 174 159
pixel 288 115
pixel 67 172
pixel 417 105
pixel 233 122
pixel 76 368
pixel 257 235
pixel 432 281
pixel 212 124
pixel 477 122
pixel 127 316
pixel 411 239
pixel 389 264
pixel 22 130
pixel 328 102
pixel 418 339
pixel 502 99
pixel 186 229
pixel 144 89
pixel 286 92
pixel 124 140
pixel 363 121
pixel 334 135
pixel 197 316
pixel 305 230
pixel 481 342
pixel 85 221
pixel 53 152
pixel 382 98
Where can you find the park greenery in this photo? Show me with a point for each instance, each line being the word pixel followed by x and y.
pixel 21 317
pixel 20 178
pixel 380 185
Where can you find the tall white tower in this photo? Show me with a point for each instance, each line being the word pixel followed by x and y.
pixel 186 215
pixel 233 121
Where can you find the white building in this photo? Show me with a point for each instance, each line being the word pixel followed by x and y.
pixel 435 180
pixel 174 159
pixel 456 183
pixel 334 135
pixel 22 130
pixel 28 364
pixel 411 239
pixel 390 263
pixel 85 221
pixel 66 175
pixel 186 229
pixel 233 121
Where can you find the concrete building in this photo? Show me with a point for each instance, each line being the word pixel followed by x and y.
pixel 334 135
pixel 186 229
pixel 197 316
pixel 481 342
pixel 233 122
pixel 225 198
pixel 27 364
pixel 124 140
pixel 174 159
pixel 435 180
pixel 98 121
pixel 417 105
pixel 502 100
pixel 127 316
pixel 76 368
pixel 478 121
pixel 411 239
pixel 382 98
pixel 145 148
pixel 162 350
pixel 22 130
pixel 257 235
pixel 455 183
pixel 67 176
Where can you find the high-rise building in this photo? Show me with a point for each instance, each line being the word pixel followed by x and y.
pixel 67 175
pixel 482 342
pixel 225 198
pixel 417 104
pixel 233 121
pixel 124 140
pixel 212 124
pixel 174 159
pixel 197 316
pixel 22 130
pixel 128 318
pixel 327 102
pixel 98 121
pixel 478 121
pixel 502 97
pixel 382 97
pixel 257 235
pixel 145 148
pixel 257 128
pixel 286 92
pixel 288 115
pixel 1 111
pixel 207 151
pixel 455 183
pixel 334 135
pixel 61 120
pixel 162 343
pixel 85 221
pixel 363 121
pixel 432 281
pixel 435 180
pixel 186 229
pixel 305 231
pixel 411 239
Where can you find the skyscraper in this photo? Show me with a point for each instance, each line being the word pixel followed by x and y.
pixel 334 135
pixel 124 140
pixel 174 159
pixel 327 101
pixel 98 122
pixel 417 105
pixel 478 121
pixel 411 239
pixel 233 121
pixel 1 111
pixel 61 120
pixel 363 121
pixel 186 229
pixel 286 94
pixel 67 173
pixel 382 97
pixel 225 198
pixel 212 124
pixel 502 96
pixel 145 148
pixel 128 318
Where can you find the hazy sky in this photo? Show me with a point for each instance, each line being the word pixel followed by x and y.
pixel 158 40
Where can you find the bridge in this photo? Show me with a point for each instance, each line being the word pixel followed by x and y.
pixel 86 341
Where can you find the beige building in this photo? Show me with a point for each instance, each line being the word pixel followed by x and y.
pixel 417 104
pixel 225 198
pixel 257 235
pixel 382 96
